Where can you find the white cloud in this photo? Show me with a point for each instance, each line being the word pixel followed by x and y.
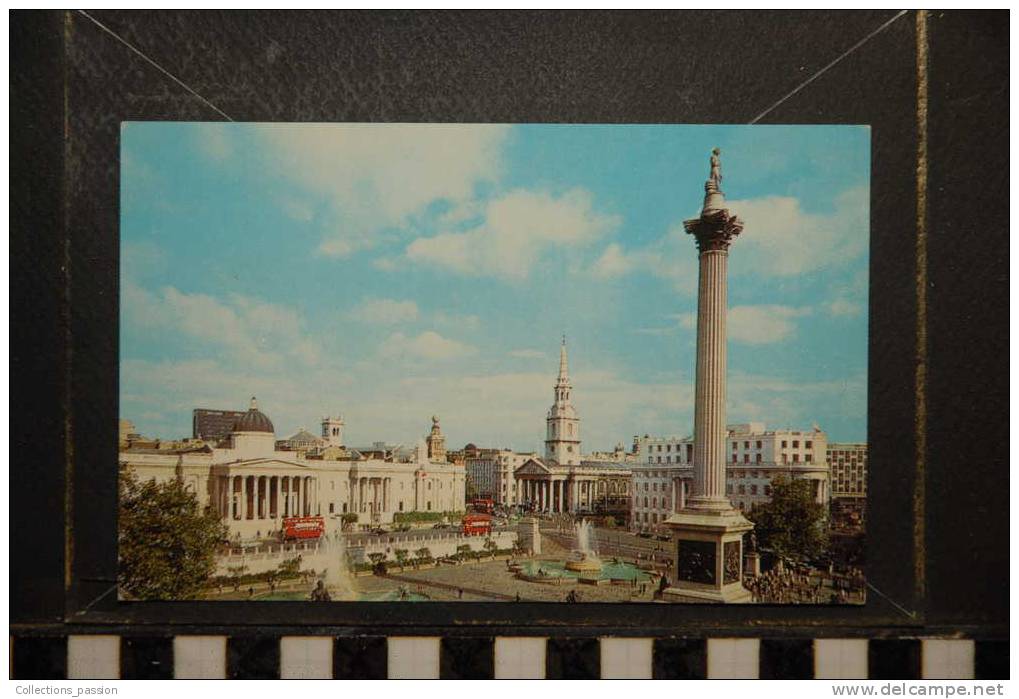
pixel 754 325
pixel 254 333
pixel 428 345
pixel 780 239
pixel 518 228
pixel 763 325
pixel 385 311
pixel 379 176
pixel 673 257
pixel 842 307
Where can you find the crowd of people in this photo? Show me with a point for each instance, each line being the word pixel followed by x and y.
pixel 791 585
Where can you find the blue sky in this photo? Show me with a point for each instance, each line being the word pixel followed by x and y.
pixel 392 272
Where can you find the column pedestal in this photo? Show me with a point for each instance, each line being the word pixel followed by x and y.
pixel 708 553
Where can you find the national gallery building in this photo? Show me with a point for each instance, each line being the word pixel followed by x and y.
pixel 254 481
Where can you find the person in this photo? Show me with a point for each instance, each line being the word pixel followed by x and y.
pixel 517 599
pixel 460 593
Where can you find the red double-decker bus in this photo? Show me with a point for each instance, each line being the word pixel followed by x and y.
pixel 303 527
pixel 483 505
pixel 476 525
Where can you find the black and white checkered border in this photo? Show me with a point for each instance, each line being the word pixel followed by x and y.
pixel 425 657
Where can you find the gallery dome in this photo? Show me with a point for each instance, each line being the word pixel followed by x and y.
pixel 254 420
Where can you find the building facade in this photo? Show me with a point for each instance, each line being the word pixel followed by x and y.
pixel 254 486
pixel 755 456
pixel 848 463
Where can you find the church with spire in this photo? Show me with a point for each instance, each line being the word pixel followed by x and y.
pixel 564 481
pixel 562 433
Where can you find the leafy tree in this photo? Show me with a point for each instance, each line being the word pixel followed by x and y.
pixel 167 542
pixel 793 524
pixel 463 551
pixel 401 557
pixel 423 554
pixel 290 568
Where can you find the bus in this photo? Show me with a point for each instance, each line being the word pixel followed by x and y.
pixel 483 505
pixel 476 525
pixel 303 528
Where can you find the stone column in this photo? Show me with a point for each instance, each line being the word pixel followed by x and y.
pixel 708 531
pixel 709 393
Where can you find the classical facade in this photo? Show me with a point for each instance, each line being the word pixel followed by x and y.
pixel 254 486
pixel 564 481
pixel 491 472
pixel 756 457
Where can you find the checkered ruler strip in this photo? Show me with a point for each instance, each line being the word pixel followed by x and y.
pixel 376 657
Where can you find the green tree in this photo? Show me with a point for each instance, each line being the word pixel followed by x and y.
pixel 423 554
pixel 290 568
pixel 463 551
pixel 401 557
pixel 792 524
pixel 167 542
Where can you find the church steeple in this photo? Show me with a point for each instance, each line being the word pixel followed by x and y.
pixel 562 438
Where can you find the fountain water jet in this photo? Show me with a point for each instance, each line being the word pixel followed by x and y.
pixel 583 557
pixel 332 557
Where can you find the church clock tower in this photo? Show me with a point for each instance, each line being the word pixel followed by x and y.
pixel 562 438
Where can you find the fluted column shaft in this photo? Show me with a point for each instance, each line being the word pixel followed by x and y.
pixel 709 397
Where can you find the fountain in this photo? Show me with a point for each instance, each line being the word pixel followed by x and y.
pixel 583 558
pixel 331 559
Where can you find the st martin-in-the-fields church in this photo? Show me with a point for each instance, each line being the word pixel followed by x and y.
pixel 564 481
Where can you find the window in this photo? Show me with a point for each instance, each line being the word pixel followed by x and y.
pixel 767 490
pixel 785 458
pixel 331 507
pixel 645 501
pixel 654 487
pixel 654 503
pixel 807 458
pixel 659 459
pixel 784 444
pixel 757 459
pixel 668 447
pixel 808 444
pixel 758 444
pixel 746 445
pixel 668 459
pixel 734 458
pixel 796 458
pixel 735 445
pixel 742 490
pixel 746 458
pixel 429 506
pixel 401 506
pixel 645 487
pixel 753 490
pixel 796 444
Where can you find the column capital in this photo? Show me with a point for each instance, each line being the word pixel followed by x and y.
pixel 714 230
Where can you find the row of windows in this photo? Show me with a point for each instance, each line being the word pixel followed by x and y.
pixel 807 444
pixel 742 490
pixel 653 502
pixel 807 458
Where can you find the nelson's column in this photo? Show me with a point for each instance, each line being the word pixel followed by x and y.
pixel 708 531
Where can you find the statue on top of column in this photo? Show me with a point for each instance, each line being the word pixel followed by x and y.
pixel 715 177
